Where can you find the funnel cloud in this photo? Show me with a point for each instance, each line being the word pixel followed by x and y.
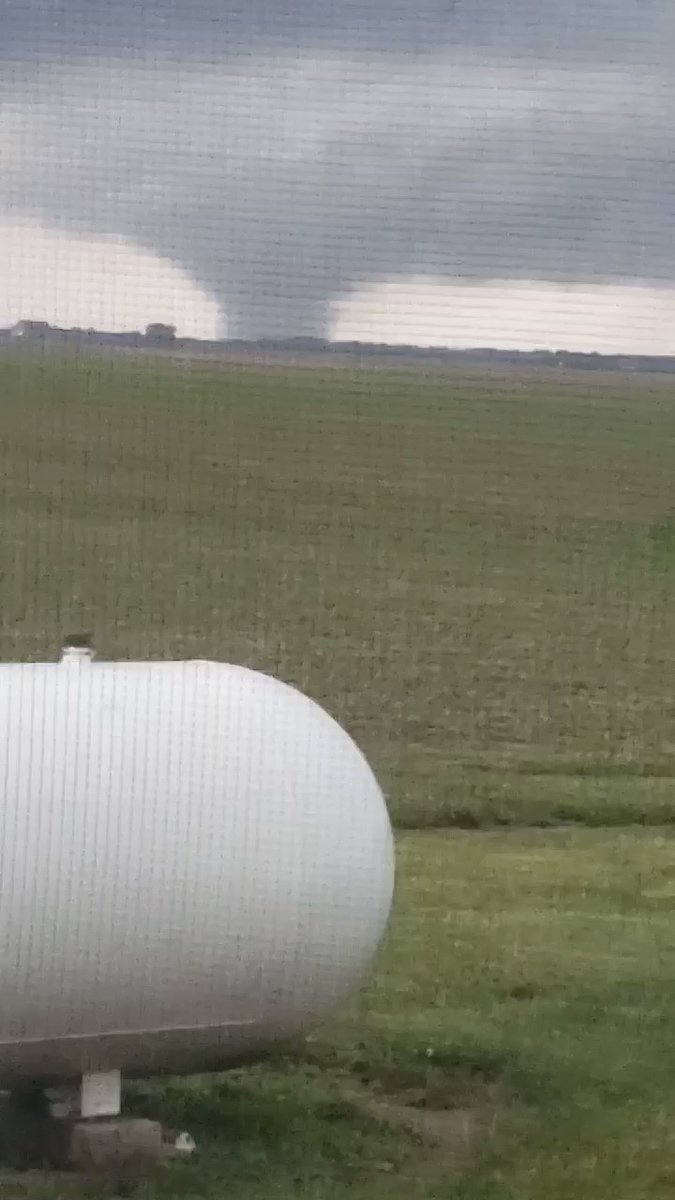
pixel 287 159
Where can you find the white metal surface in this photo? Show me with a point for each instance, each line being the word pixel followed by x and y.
pixel 195 861
pixel 101 1094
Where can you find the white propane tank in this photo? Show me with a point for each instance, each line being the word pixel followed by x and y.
pixel 196 861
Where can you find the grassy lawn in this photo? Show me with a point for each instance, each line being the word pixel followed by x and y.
pixel 475 576
pixel 518 1040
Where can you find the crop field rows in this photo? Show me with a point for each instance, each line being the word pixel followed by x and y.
pixel 474 574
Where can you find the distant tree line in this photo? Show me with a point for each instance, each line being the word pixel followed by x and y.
pixel 163 337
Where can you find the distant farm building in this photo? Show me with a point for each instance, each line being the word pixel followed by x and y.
pixel 36 330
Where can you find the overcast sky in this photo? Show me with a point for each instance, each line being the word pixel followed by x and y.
pixel 290 156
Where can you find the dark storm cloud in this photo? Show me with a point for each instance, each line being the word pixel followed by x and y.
pixel 284 163
pixel 608 30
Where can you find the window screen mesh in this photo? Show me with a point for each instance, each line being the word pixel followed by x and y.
pixel 336 344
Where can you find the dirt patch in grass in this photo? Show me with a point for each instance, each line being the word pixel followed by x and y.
pixel 458 1133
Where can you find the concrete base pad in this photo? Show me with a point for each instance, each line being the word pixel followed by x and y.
pixel 110 1147
pixel 30 1137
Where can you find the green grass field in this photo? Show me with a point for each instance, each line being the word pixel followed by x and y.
pixel 474 575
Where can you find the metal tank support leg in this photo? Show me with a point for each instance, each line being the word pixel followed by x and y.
pixel 97 1138
pixel 80 1128
pixel 101 1095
